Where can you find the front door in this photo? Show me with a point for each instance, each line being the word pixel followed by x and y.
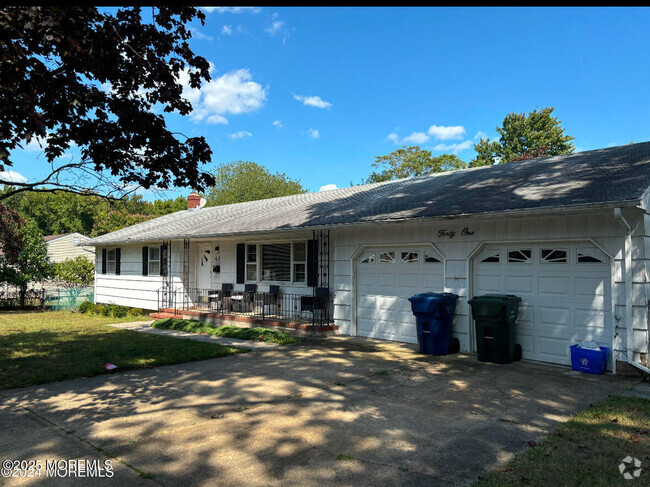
pixel 204 266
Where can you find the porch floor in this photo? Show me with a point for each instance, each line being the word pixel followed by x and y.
pixel 240 319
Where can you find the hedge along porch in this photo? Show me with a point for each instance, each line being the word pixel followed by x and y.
pixel 567 234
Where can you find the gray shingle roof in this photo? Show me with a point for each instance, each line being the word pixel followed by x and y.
pixel 615 175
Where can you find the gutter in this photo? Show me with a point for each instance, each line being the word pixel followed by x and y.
pixel 307 228
pixel 627 254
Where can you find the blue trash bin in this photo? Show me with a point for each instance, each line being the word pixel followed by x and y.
pixel 434 313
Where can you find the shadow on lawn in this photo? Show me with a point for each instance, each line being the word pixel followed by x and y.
pixel 283 416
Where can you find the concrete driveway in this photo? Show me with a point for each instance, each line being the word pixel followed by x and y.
pixel 335 411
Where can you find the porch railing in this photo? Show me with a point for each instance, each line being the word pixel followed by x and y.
pixel 312 309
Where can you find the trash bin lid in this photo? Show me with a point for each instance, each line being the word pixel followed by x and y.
pixel 428 302
pixel 490 305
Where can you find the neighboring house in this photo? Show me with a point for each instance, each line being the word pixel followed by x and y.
pixel 567 234
pixel 68 246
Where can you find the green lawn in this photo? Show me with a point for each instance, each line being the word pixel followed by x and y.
pixel 47 346
pixel 229 331
pixel 586 451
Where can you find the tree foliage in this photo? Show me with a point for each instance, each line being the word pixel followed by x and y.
pixel 61 212
pixel 524 136
pixel 412 161
pixel 11 238
pixel 241 181
pixel 31 263
pixel 115 220
pixel 75 76
pixel 75 273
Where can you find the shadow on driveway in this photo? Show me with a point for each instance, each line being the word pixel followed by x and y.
pixel 335 411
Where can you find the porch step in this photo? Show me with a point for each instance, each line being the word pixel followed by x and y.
pixel 215 318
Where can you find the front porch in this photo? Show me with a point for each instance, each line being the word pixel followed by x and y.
pixel 310 314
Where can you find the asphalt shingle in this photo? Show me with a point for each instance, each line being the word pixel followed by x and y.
pixel 615 175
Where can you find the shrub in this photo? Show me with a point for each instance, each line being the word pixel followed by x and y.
pixel 107 310
pixel 119 311
pixel 98 309
pixel 87 307
pixel 133 312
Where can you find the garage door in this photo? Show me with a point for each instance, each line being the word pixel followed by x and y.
pixel 565 291
pixel 386 278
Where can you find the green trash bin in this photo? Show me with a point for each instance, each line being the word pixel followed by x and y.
pixel 495 317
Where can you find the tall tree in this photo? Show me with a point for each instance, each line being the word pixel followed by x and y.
pixel 524 136
pixel 77 76
pixel 11 238
pixel 412 161
pixel 31 263
pixel 241 181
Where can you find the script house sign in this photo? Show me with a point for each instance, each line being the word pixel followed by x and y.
pixel 452 233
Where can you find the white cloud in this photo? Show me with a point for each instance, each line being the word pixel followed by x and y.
pixel 274 28
pixel 36 144
pixel 240 135
pixel 232 10
pixel 12 177
pixel 446 133
pixel 313 101
pixel 197 34
pixel 416 138
pixel 454 148
pixel 278 124
pixel 327 187
pixel 314 133
pixel 393 137
pixel 481 135
pixel 226 30
pixel 232 93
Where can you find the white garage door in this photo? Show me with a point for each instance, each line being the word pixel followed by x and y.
pixel 565 291
pixel 386 278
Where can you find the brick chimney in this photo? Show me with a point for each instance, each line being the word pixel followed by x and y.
pixel 193 201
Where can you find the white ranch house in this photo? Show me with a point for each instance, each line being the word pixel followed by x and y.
pixel 568 234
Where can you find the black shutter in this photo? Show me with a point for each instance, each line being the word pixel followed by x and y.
pixel 118 259
pixel 241 263
pixel 312 263
pixel 103 261
pixel 145 261
pixel 164 259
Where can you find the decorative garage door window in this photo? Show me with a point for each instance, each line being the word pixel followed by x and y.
pixel 520 256
pixel 490 256
pixel 387 257
pixel 553 256
pixel 367 258
pixel 431 257
pixel 591 255
pixel 410 257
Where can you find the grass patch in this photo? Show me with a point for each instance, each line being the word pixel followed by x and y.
pixel 256 334
pixel 586 451
pixel 344 458
pixel 48 346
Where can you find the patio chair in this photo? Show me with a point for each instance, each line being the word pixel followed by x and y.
pixel 221 299
pixel 243 303
pixel 316 304
pixel 270 300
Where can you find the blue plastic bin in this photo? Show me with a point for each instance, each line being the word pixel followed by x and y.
pixel 434 313
pixel 591 361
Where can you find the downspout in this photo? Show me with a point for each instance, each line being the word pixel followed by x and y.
pixel 627 255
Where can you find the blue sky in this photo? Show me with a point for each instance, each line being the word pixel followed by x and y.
pixel 317 93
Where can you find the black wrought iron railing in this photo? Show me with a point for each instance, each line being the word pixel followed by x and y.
pixel 31 298
pixel 312 309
